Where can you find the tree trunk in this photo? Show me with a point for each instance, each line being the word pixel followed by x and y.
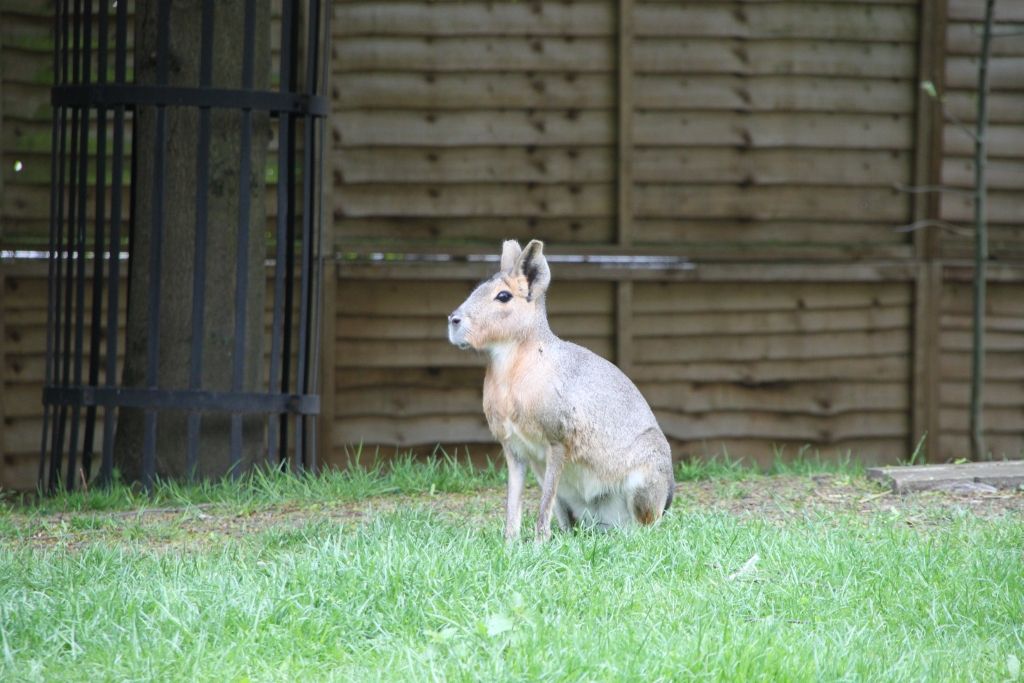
pixel 179 231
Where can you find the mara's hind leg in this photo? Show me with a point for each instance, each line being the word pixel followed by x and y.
pixel 650 499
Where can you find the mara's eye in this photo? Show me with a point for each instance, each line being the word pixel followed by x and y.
pixel 504 297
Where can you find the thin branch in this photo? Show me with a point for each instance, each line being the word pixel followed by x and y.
pixel 934 223
pixel 960 125
pixel 921 189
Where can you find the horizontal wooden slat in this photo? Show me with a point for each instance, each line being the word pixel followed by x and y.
pixel 452 129
pixel 820 399
pixel 434 327
pixel 365 297
pixel 488 230
pixel 996 323
pixel 771 166
pixel 471 91
pixel 740 234
pixel 969 10
pixel 777 20
pixel 827 131
pixel 964 38
pixel 772 203
pixel 477 199
pixel 1002 207
pixel 411 431
pixel 789 427
pixel 1000 174
pixel 1007 393
pixel 848 344
pixel 774 93
pixel 409 402
pixel 1003 299
pixel 1005 73
pixel 958 445
pixel 779 57
pixel 996 419
pixel 995 341
pixel 534 53
pixel 879 369
pixel 782 296
pixel 956 365
pixel 769 322
pixel 401 17
pixel 474 165
pixel 1003 107
pixel 390 353
pixel 1004 141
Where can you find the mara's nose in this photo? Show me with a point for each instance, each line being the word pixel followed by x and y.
pixel 454 319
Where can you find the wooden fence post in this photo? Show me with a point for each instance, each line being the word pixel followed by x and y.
pixel 927 248
pixel 624 207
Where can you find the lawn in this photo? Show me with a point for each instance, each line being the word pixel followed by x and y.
pixel 806 575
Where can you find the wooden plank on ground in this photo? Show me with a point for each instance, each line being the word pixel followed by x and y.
pixel 1004 475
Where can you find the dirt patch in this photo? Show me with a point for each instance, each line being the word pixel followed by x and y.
pixel 775 499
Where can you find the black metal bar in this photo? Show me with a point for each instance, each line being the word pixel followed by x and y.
pixel 321 126
pixel 184 399
pixel 85 20
pixel 274 451
pixel 181 96
pixel 95 327
pixel 64 325
pixel 289 296
pixel 113 289
pixel 199 258
pixel 85 92
pixel 242 244
pixel 156 248
pixel 308 185
pixel 56 191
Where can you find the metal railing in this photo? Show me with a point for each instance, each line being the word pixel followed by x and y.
pixel 89 247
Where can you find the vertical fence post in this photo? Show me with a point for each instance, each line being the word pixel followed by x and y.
pixel 624 177
pixel 925 206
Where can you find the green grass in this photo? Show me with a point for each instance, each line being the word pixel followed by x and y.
pixel 419 596
pixel 402 474
pixel 262 488
pixel 431 593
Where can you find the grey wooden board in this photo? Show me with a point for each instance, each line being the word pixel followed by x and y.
pixel 1004 475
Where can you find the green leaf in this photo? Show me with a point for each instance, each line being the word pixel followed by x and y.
pixel 929 88
pixel 1013 666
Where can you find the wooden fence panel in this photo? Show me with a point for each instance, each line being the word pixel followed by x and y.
pixel 1003 417
pixel 1006 129
pixel 468 122
pixel 741 366
pixel 788 125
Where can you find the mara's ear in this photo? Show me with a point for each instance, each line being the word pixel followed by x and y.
pixel 510 251
pixel 534 267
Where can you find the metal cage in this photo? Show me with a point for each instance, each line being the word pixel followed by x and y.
pixel 91 250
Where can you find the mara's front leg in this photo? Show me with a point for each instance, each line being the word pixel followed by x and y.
pixel 514 501
pixel 554 461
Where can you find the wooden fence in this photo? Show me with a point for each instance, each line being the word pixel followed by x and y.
pixel 763 149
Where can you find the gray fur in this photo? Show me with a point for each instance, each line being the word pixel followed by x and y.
pixel 572 417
